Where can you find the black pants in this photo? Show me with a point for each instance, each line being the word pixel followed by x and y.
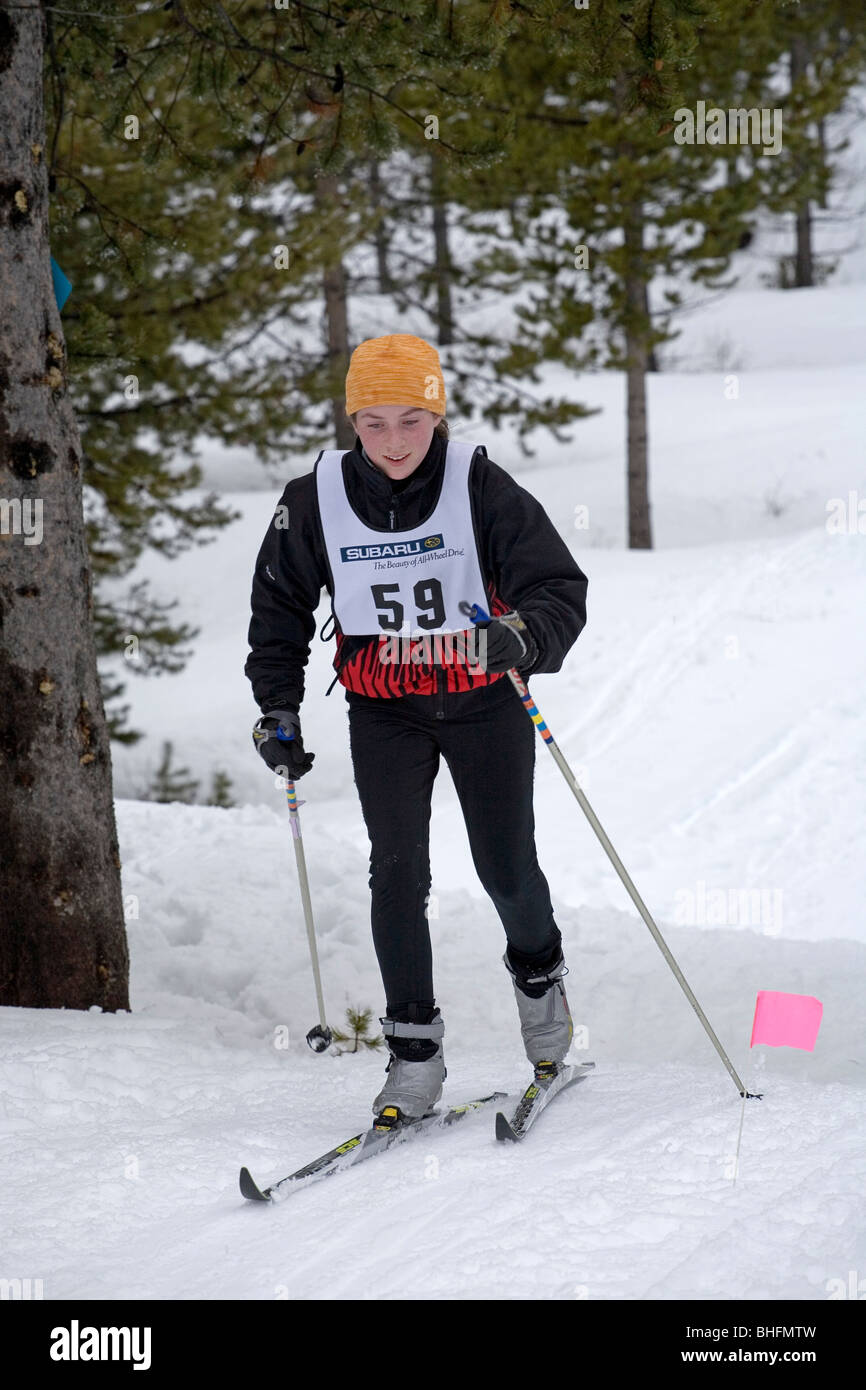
pixel 488 742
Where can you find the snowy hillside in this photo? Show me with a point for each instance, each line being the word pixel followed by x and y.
pixel 714 712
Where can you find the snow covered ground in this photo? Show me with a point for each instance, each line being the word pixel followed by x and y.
pixel 122 1135
pixel 713 711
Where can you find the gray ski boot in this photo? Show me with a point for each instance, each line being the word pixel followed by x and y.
pixel 416 1070
pixel 545 1018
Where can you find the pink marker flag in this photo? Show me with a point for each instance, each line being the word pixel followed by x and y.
pixel 786 1020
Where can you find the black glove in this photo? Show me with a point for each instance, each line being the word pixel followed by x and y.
pixel 285 756
pixel 508 643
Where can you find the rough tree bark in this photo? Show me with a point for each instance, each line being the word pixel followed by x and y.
pixel 336 317
pixel 62 934
pixel 652 361
pixel 380 235
pixel 442 255
pixel 639 527
pixel 636 327
pixel 804 266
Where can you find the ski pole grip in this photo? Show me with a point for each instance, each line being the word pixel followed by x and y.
pixel 475 612
pixel 283 736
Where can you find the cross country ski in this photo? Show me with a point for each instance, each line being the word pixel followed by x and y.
pixel 386 1131
pixel 550 1080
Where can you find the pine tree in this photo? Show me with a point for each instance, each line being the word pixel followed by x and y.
pixel 220 790
pixel 171 783
pixel 612 207
pixel 359 1022
pixel 62 935
pixel 825 54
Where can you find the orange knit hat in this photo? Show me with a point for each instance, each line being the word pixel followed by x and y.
pixel 398 369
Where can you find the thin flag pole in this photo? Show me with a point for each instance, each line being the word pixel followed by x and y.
pixel 739 1137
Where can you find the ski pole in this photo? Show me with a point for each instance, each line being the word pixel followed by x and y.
pixel 477 614
pixel 319 1037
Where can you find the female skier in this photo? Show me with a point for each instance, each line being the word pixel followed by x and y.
pixel 401 529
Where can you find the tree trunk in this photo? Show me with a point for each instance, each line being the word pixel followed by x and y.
pixel 62 934
pixel 635 326
pixel 442 258
pixel 652 362
pixel 821 127
pixel 380 236
pixel 639 529
pixel 804 270
pixel 336 319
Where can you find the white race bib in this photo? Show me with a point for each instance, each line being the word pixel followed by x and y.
pixel 405 582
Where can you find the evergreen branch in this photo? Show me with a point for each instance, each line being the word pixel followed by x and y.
pixel 203 398
pixel 260 327
pixel 247 46
pixel 158 121
pixel 272 116
pixel 118 217
pixel 482 105
pixel 157 311
pixel 88 14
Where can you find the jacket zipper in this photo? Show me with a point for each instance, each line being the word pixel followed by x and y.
pixel 438 692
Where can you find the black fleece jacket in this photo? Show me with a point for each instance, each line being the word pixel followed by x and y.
pixel 524 561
